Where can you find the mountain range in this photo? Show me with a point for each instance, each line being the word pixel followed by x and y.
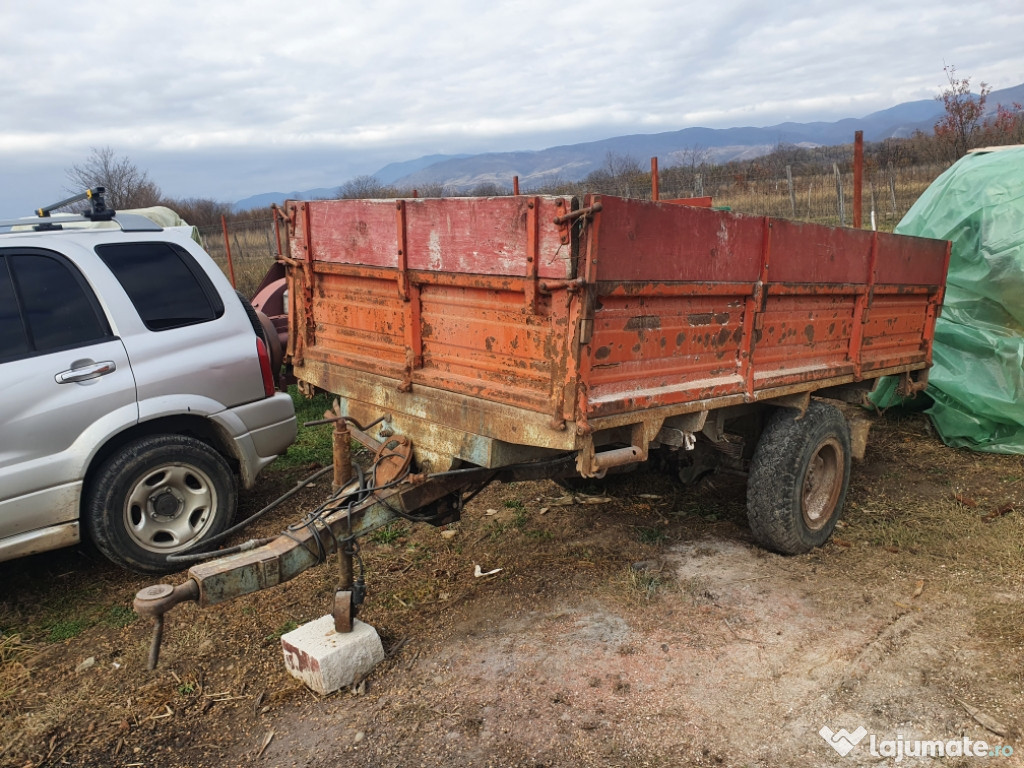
pixel 573 162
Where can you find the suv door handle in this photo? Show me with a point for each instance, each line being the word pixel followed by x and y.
pixel 91 371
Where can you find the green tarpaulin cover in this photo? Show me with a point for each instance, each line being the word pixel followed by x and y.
pixel 977 382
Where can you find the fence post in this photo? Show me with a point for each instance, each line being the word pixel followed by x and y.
pixel 266 239
pixel 839 195
pixel 871 191
pixel 792 193
pixel 858 176
pixel 227 247
pixel 276 213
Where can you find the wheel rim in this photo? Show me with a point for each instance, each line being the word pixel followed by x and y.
pixel 823 484
pixel 170 508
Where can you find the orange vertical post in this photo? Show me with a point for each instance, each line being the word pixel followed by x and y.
pixel 654 178
pixel 858 176
pixel 227 249
pixel 277 227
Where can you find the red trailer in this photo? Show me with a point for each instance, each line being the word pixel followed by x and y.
pixel 491 331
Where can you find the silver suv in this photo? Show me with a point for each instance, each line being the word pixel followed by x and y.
pixel 138 389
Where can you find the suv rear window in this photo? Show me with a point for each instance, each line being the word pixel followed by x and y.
pixel 167 287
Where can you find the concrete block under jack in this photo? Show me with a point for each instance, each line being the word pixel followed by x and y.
pixel 326 660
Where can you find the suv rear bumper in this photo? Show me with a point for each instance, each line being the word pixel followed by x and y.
pixel 269 427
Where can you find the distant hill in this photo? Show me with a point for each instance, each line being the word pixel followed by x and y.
pixel 271 198
pixel 392 172
pixel 386 175
pixel 718 145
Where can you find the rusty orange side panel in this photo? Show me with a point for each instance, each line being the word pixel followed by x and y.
pixel 696 304
pixel 525 321
pixel 408 303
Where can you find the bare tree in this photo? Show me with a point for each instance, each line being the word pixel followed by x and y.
pixel 621 175
pixel 365 187
pixel 128 186
pixel 962 121
pixel 488 189
pixel 432 189
pixel 204 212
pixel 693 157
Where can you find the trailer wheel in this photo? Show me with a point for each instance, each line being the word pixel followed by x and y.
pixel 798 479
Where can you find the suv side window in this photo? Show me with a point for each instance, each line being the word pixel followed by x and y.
pixel 163 281
pixel 45 306
pixel 13 337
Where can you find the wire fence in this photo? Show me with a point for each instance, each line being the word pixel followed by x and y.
pixel 825 198
pixel 253 245
pixel 822 197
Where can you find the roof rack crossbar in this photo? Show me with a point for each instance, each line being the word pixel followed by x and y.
pixel 98 210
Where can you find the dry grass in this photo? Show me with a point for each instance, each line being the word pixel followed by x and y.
pixel 916 514
pixel 944 522
pixel 15 660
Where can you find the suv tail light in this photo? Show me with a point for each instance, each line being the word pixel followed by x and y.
pixel 269 386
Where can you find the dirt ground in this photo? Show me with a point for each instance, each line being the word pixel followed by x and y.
pixel 636 626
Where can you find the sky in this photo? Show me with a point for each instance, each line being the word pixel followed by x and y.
pixel 226 100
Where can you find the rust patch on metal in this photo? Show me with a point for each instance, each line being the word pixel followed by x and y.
pixel 643 323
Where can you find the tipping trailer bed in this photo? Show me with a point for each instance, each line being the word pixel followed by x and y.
pixel 514 332
pixel 493 330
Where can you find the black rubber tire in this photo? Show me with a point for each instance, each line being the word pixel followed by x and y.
pixel 156 496
pixel 798 479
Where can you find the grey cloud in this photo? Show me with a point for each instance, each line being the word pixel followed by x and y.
pixel 210 83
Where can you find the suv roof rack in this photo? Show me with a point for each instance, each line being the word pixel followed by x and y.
pixel 97 212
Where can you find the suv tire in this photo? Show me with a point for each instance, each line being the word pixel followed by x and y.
pixel 159 495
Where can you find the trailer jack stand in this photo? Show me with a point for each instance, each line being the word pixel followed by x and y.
pixel 351 592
